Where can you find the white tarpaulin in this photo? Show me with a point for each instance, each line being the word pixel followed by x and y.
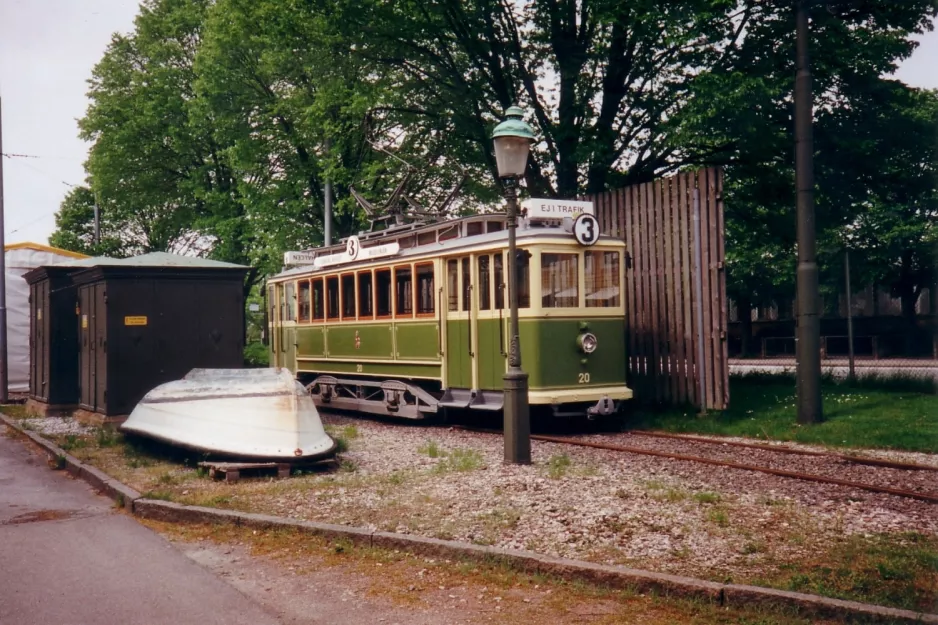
pixel 20 258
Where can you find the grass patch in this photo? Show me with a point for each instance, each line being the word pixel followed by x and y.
pixel 162 495
pixel 107 437
pixel 461 460
pixel 707 497
pixel 73 441
pixel 558 465
pixel 718 516
pixel 855 415
pixel 342 436
pixel 895 570
pixel 16 411
pixel 432 449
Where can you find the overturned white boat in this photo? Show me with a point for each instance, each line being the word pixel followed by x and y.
pixel 247 413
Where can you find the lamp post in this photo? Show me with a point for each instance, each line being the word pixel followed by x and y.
pixel 513 138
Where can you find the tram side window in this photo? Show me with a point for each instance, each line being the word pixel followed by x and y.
pixel 332 297
pixel 304 301
pixel 452 284
pixel 485 299
pixel 383 291
pixel 559 277
pixel 291 302
pixel 499 282
pixel 366 308
pixel 272 302
pixel 466 284
pixel 348 296
pixel 602 279
pixel 319 300
pixel 404 291
pixel 425 297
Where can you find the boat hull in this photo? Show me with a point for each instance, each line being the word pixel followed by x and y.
pixel 241 413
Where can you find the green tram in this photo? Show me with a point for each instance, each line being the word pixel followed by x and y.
pixel 412 321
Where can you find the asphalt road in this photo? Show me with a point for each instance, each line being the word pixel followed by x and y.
pixel 67 557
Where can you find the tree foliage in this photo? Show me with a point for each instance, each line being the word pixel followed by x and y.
pixel 216 122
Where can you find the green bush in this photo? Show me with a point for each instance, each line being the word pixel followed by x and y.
pixel 256 355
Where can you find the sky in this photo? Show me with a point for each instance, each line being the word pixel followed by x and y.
pixel 47 51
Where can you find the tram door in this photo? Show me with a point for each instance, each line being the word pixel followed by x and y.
pixel 490 321
pixel 460 352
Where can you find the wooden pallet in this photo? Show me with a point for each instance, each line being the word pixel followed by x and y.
pixel 232 470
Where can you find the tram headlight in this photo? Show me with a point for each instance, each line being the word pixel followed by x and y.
pixel 587 343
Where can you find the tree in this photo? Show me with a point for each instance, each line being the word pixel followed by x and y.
pixel 154 165
pixel 74 225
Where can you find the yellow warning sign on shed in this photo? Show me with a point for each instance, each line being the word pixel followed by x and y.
pixel 135 321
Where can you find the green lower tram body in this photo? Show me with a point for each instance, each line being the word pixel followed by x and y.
pixel 410 368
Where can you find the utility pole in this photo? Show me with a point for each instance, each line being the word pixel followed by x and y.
pixel 327 212
pixel 809 328
pixel 4 371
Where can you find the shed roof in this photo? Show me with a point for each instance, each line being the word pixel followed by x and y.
pixel 162 259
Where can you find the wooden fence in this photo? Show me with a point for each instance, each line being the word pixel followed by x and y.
pixel 676 313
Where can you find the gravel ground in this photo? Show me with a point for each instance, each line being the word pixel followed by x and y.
pixel 56 426
pixel 673 516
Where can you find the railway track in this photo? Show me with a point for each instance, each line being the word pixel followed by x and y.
pixel 927 496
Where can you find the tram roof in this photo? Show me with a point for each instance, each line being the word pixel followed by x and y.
pixel 526 231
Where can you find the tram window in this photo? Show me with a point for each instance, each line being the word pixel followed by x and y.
pixel 524 278
pixel 485 299
pixel 404 291
pixel 602 279
pixel 366 308
pixel 466 284
pixel 499 282
pixel 291 302
pixel 303 301
pixel 452 284
pixel 426 238
pixel 383 292
pixel 474 227
pixel 318 300
pixel 332 297
pixel 559 276
pixel 425 297
pixel 348 296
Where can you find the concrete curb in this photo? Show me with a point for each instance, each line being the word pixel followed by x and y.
pixel 726 595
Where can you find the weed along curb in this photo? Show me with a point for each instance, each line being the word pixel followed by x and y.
pixel 725 595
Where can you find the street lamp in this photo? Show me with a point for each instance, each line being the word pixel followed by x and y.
pixel 513 138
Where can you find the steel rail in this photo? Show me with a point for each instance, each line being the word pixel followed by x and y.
pixel 927 497
pixel 909 466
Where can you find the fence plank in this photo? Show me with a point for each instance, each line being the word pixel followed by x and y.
pixel 687 254
pixel 716 342
pixel 724 318
pixel 630 289
pixel 658 328
pixel 707 365
pixel 666 286
pixel 680 372
pixel 650 299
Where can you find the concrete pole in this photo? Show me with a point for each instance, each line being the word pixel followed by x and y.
pixel 849 313
pixel 4 371
pixel 809 326
pixel 517 411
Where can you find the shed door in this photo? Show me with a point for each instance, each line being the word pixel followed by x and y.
pixel 86 347
pixel 100 347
